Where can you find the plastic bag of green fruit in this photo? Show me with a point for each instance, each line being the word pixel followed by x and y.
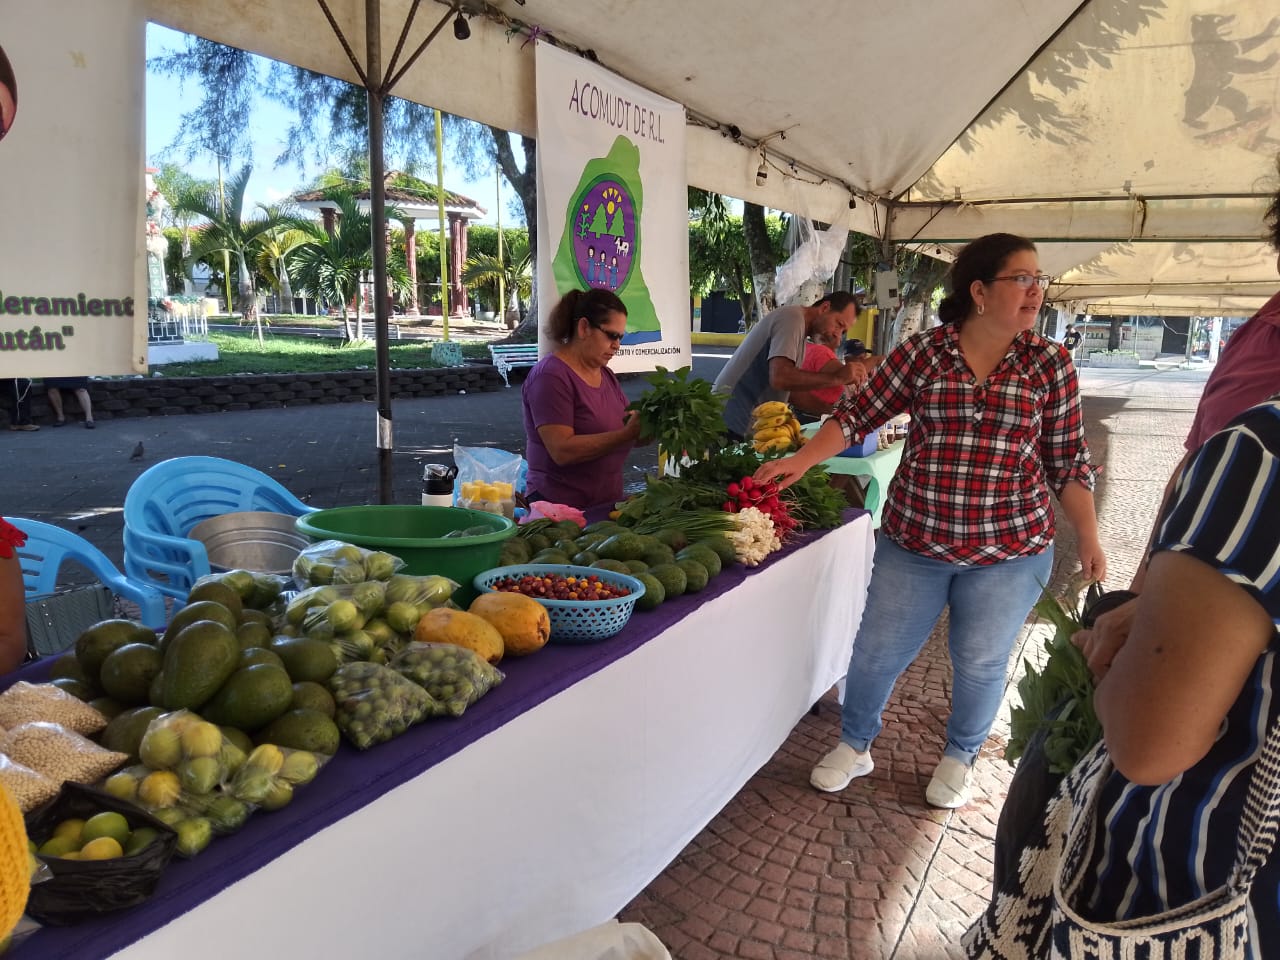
pixel 456 677
pixel 186 752
pixel 257 591
pixel 375 703
pixel 128 850
pixel 332 561
pixel 376 607
pixel 270 774
pixel 197 816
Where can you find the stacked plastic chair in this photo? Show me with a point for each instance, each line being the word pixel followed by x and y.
pixel 48 549
pixel 170 498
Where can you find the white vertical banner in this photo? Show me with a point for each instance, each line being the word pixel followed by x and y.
pixel 73 295
pixel 613 205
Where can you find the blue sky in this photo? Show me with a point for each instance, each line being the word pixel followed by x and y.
pixel 167 101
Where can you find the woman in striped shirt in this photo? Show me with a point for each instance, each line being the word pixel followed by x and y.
pixel 1187 700
pixel 968 522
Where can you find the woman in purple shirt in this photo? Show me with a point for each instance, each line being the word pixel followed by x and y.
pixel 576 422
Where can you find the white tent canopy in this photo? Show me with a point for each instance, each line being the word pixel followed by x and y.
pixel 1138 139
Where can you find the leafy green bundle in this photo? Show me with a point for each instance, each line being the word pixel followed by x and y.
pixel 1057 700
pixel 682 415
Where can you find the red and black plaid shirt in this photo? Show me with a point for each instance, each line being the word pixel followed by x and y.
pixel 972 485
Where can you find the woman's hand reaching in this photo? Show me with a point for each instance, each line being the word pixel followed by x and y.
pixel 784 471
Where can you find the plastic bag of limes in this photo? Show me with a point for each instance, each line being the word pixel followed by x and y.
pixel 82 886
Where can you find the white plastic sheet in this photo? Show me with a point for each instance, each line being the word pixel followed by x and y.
pixel 609 941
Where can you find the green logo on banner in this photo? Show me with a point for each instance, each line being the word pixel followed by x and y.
pixel 600 246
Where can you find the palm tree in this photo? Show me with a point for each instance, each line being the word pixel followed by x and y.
pixel 227 230
pixel 274 251
pixel 516 271
pixel 330 267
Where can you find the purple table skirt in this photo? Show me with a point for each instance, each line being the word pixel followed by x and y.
pixel 353 779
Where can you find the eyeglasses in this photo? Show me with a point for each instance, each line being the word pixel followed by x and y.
pixel 613 337
pixel 1025 280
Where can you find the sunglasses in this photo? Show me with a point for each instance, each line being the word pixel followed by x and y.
pixel 613 337
pixel 1025 280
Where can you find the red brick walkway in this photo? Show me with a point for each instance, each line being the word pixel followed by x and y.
pixel 786 872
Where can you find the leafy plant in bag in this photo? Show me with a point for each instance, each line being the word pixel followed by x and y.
pixel 1057 698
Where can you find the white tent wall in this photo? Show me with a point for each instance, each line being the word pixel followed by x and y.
pixel 1149 120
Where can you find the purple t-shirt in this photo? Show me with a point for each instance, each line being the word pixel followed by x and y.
pixel 554 394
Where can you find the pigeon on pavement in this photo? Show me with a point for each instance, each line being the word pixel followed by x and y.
pixel 137 452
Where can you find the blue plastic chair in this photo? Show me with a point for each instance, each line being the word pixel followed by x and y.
pixel 48 547
pixel 170 498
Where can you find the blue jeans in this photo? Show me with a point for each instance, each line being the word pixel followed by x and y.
pixel 989 604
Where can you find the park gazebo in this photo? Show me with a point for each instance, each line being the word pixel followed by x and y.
pixel 414 200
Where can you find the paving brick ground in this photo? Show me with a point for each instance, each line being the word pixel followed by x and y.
pixel 783 872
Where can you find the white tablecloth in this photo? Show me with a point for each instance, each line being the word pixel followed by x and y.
pixel 554 822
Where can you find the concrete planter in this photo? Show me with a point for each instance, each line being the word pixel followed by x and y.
pixel 161 396
pixel 1125 361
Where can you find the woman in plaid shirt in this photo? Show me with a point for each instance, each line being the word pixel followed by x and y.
pixel 995 423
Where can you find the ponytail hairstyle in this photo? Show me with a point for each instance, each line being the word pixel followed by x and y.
pixel 981 259
pixel 593 305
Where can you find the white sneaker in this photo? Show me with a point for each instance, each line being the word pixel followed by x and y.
pixel 837 768
pixel 949 787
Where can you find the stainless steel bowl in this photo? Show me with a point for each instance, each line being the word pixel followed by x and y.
pixel 253 540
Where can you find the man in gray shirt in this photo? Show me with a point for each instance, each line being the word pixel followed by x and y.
pixel 766 365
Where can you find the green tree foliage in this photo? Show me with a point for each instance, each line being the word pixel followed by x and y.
pixel 174 183
pixel 174 262
pixel 481 272
pixel 331 117
pixel 718 255
pixel 219 123
pixel 274 252
pixel 332 266
pixel 483 239
pixel 482 242
pixel 227 230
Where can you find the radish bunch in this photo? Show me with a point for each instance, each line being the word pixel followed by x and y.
pixel 765 498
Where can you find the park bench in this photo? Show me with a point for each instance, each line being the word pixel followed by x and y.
pixel 509 356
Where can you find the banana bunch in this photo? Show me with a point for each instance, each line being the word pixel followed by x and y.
pixel 774 428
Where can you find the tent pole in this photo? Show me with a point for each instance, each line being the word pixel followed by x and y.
pixel 378 239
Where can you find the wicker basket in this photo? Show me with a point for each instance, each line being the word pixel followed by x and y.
pixel 575 621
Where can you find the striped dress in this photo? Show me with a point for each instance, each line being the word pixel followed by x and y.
pixel 1160 847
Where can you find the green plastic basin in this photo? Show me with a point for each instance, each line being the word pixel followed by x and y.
pixel 417 536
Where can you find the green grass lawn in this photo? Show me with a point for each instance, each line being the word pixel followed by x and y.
pixel 241 353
